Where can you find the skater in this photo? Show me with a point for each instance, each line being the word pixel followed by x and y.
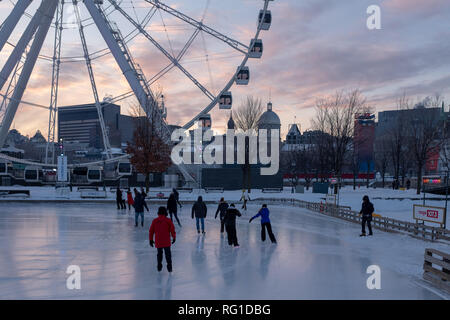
pixel 230 225
pixel 124 202
pixel 177 196
pixel 199 210
pixel 408 184
pixel 265 223
pixel 144 195
pixel 130 200
pixel 162 228
pixel 366 212
pixel 222 208
pixel 119 199
pixel 172 207
pixel 245 197
pixel 139 204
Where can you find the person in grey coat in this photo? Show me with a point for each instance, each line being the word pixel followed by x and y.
pixel 199 210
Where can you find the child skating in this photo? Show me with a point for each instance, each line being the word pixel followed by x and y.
pixel 265 223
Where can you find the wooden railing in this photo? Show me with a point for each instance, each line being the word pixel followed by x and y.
pixel 381 223
pixel 436 268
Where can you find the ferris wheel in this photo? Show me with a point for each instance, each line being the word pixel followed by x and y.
pixel 119 23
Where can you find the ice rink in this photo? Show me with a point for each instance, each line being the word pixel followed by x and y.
pixel 316 257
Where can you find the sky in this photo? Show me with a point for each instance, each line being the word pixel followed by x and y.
pixel 313 49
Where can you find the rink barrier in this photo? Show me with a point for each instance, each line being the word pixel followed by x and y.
pixel 436 268
pixel 417 230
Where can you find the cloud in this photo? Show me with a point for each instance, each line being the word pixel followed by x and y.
pixel 314 48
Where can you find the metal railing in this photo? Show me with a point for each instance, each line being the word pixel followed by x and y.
pixel 382 223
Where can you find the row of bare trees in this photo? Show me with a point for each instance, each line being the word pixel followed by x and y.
pixel 401 147
pixel 419 130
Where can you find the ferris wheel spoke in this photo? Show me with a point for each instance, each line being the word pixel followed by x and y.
pixel 200 25
pixel 12 20
pixel 106 144
pixel 23 42
pixel 50 147
pixel 49 7
pixel 174 60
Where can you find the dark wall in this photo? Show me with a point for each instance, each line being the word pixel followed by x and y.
pixel 231 179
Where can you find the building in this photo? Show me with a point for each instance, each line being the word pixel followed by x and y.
pixel 232 176
pixel 364 138
pixel 294 135
pixel 269 120
pixel 80 123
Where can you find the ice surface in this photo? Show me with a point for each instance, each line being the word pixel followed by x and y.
pixel 317 257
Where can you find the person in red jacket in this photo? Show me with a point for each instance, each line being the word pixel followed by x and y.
pixel 161 229
pixel 130 199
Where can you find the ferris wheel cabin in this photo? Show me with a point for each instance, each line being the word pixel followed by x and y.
pixel 226 101
pixel 94 174
pixel 32 174
pixel 267 21
pixel 124 168
pixel 256 48
pixel 243 76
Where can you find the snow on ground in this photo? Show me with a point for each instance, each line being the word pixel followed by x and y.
pixel 396 204
pixel 317 257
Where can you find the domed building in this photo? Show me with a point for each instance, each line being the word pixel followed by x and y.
pixel 269 119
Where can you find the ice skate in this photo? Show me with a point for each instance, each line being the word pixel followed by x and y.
pixel 362 235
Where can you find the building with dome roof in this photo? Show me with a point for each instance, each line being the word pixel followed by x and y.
pixel 269 120
pixel 231 176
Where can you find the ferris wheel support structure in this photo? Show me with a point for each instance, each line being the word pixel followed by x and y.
pixel 12 20
pixel 24 40
pixel 50 147
pixel 132 73
pixel 87 58
pixel 41 33
pixel 122 56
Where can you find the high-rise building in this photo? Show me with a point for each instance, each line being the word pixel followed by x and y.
pixel 80 123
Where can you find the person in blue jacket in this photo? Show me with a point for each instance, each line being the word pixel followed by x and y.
pixel 265 223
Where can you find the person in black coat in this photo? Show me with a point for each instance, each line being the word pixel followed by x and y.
pixel 172 208
pixel 230 225
pixel 366 211
pixel 139 205
pixel 222 208
pixel 177 196
pixel 119 199
pixel 199 210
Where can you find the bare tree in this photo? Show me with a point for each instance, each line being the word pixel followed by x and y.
pixel 424 133
pixel 246 118
pixel 149 151
pixel 297 161
pixel 396 136
pixel 381 156
pixel 335 118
